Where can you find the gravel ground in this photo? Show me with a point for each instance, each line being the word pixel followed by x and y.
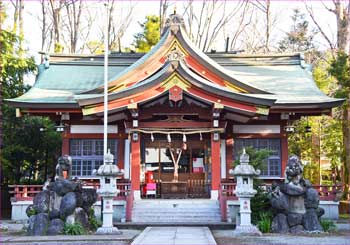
pixel 227 237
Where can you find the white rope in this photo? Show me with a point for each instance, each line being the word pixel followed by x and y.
pixel 174 131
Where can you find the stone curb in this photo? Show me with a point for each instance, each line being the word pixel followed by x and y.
pixel 126 236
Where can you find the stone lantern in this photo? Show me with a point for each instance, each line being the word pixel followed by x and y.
pixel 108 173
pixel 244 174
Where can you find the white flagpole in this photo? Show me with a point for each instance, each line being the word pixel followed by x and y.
pixel 105 97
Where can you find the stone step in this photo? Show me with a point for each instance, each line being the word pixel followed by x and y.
pixel 159 209
pixel 176 205
pixel 176 211
pixel 167 220
pixel 176 215
pixel 179 221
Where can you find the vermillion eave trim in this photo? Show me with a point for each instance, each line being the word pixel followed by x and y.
pixel 176 73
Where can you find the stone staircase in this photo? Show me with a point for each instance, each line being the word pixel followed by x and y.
pixel 176 211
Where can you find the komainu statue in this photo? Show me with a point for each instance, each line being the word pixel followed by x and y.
pixel 64 167
pixel 295 202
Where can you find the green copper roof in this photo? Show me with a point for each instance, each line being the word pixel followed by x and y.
pixel 291 84
pixel 59 83
pixel 281 75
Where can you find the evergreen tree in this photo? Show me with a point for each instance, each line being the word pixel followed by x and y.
pixel 25 151
pixel 340 69
pixel 150 35
pixel 325 138
pixel 299 38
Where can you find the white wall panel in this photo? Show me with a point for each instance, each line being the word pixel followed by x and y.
pixel 92 129
pixel 257 129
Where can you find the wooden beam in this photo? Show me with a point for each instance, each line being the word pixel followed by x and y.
pixel 185 124
pixel 51 111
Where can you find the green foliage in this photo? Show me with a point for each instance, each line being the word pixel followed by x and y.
pixel 94 223
pixel 344 216
pixel 74 229
pixel 340 69
pixel 265 221
pixel 298 39
pixel 31 212
pixel 150 35
pixel 328 225
pixel 260 202
pixel 26 151
pixel 325 138
pixel 257 158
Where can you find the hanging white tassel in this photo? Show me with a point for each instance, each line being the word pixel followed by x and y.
pixel 152 138
pixel 184 139
pixel 169 138
pixel 200 136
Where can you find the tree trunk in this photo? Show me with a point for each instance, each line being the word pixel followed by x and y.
pixel 267 33
pixel 343 31
pixel 346 143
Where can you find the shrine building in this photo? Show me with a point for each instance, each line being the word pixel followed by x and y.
pixel 178 118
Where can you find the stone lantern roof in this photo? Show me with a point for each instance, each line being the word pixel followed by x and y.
pixel 244 168
pixel 108 168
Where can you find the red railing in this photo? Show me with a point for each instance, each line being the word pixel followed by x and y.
pixel 124 189
pixel 24 192
pixel 228 189
pixel 326 192
pixel 27 192
pixel 329 192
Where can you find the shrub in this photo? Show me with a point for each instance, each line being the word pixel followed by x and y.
pixel 259 204
pixel 73 229
pixel 328 225
pixel 264 223
pixel 31 212
pixel 94 223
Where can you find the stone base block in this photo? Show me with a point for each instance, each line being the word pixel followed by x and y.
pixel 247 230
pixel 108 230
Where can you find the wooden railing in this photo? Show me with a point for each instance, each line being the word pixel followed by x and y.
pixel 329 192
pixel 27 192
pixel 326 192
pixel 24 192
pixel 124 189
pixel 226 192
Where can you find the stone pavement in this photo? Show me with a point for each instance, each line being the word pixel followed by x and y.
pixel 125 238
pixel 227 237
pixel 175 235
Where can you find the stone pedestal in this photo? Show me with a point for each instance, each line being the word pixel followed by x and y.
pixel 107 227
pixel 245 226
pixel 245 191
pixel 108 173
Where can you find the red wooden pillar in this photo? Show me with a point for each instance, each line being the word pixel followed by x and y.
pixel 121 144
pixel 135 164
pixel 65 144
pixel 229 156
pixel 284 152
pixel 215 163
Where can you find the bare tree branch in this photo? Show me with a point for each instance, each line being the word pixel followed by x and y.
pixel 310 11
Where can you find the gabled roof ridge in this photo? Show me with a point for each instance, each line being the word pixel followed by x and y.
pixel 180 68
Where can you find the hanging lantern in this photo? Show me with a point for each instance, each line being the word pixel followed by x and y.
pixel 152 138
pixel 184 139
pixel 200 136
